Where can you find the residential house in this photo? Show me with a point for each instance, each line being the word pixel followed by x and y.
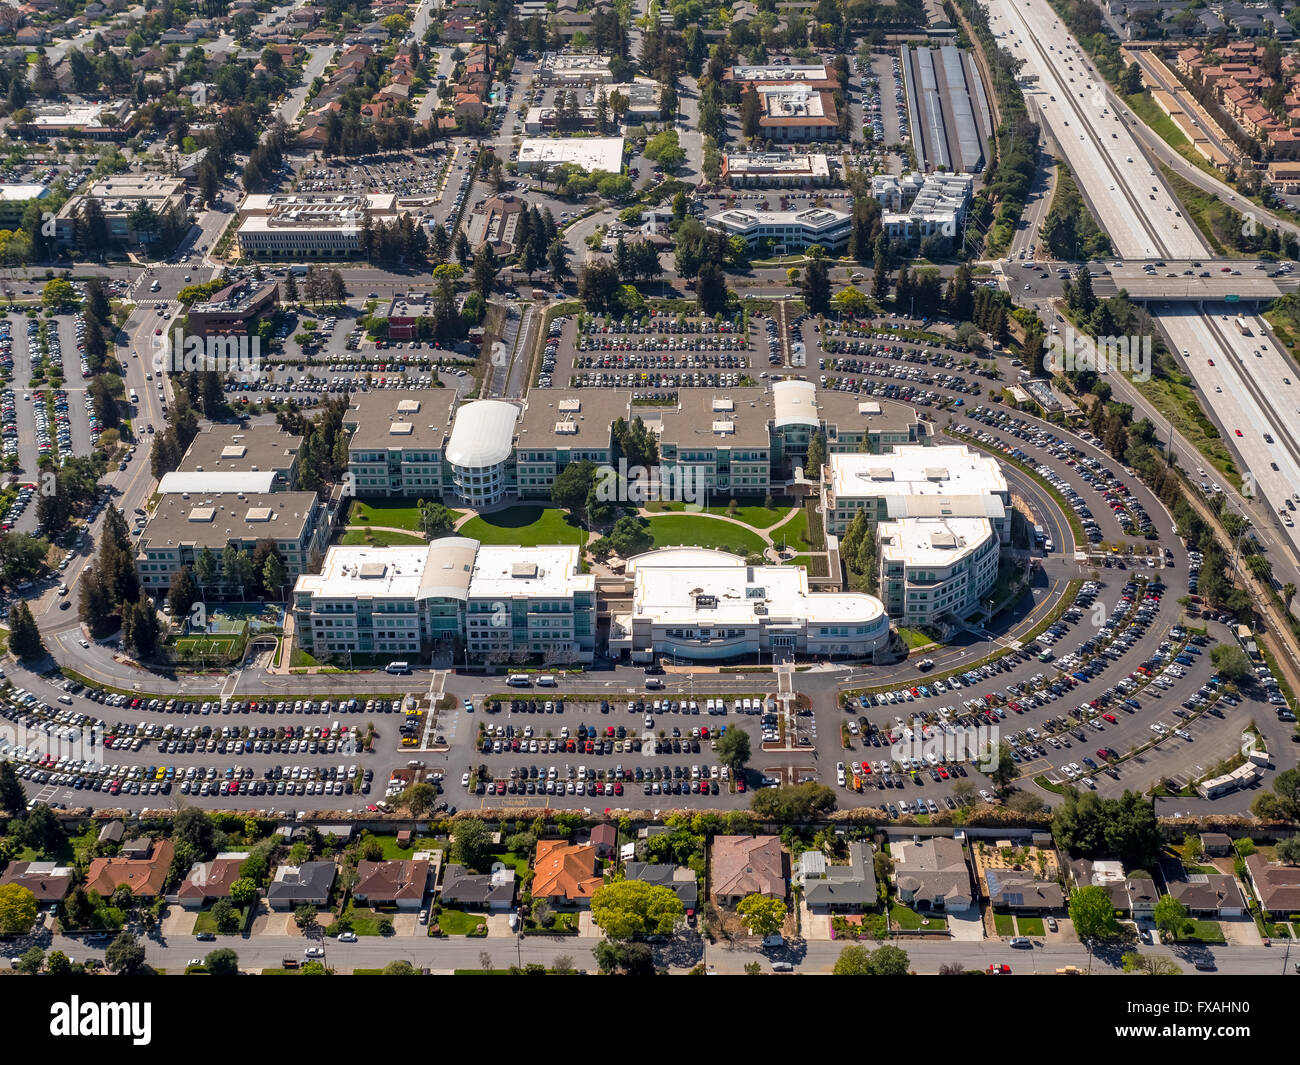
pixel 400 883
pixel 839 888
pixel 933 875
pixel 604 837
pixel 680 879
pixel 1276 886
pixel 208 881
pixel 747 865
pixel 1210 895
pixel 565 872
pixel 145 876
pixel 112 832
pixel 308 884
pixel 1216 844
pixel 48 881
pixel 1018 891
pixel 479 891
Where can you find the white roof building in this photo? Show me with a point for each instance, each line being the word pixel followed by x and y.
pixel 482 433
pixel 217 481
pixel 703 604
pixel 824 226
pixel 590 153
pixel 795 403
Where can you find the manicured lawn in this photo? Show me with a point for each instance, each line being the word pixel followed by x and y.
pixel 300 658
pixel 395 513
pixel 794 533
pixel 816 565
pixel 527 526
pixel 759 517
pixel 380 538
pixel 1202 932
pixel 1005 924
pixel 420 843
pixel 913 637
pixel 905 917
pixel 365 921
pixel 205 923
pixel 458 922
pixel 1030 926
pixel 699 530
pixel 507 858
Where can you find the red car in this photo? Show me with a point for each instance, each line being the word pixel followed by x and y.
pixel 740 786
pixel 943 773
pixel 999 970
pixel 1237 431
pixel 1111 718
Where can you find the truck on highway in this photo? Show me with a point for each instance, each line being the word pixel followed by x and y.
pixel 135 398
pixel 1243 327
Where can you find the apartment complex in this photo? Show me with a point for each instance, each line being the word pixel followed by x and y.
pixel 300 226
pixel 1236 79
pixel 495 603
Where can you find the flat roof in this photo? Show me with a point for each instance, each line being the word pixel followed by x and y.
pixel 916 471
pixel 509 571
pixel 424 414
pixel 691 423
pixel 581 418
pixel 438 570
pixel 714 591
pixel 936 542
pixel 850 412
pixel 590 153
pixel 212 519
pixel 813 164
pixel 482 433
pixel 217 481
pixel 20 193
pixel 814 219
pixel 218 448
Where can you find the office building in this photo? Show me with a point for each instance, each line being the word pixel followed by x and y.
pixel 704 605
pixel 767 169
pixel 782 232
pixel 119 198
pixel 915 206
pixel 286 227
pixel 934 570
pixel 398 442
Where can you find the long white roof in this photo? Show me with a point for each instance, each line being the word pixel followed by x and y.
pixel 795 403
pixel 217 481
pixel 483 433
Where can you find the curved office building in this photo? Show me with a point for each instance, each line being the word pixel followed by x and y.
pixel 702 605
pixel 479 451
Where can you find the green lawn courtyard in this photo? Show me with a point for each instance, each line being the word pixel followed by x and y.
pixel 700 530
pixel 907 918
pixel 380 538
pixel 393 513
pixel 524 525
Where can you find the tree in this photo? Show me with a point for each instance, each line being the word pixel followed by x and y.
pixel 888 961
pixel 573 485
pixel 471 843
pixel 31 960
pixel 1288 850
pixel 1092 914
pixel 1231 662
pixel 557 261
pixel 435 519
pixel 420 798
pixel 182 593
pixel 792 802
pixel 58 293
pixel 761 914
pixel 24 636
pixel 125 955
pixel 314 968
pixel 243 891
pixel 1150 964
pixel 222 962
pixel 305 918
pixel 1004 771
pixel 711 289
pixel 224 916
pixel 58 964
pixel 628 908
pixel 852 301
pixel 13 800
pixel 853 961
pixel 732 749
pixel 400 967
pixel 1170 915
pixel 816 286
pixel 17 909
pixel 816 455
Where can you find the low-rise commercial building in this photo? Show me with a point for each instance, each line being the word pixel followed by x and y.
pixel 231 310
pixel 796 112
pixel 299 226
pixel 398 441
pixel 590 153
pixel 932 569
pixel 786 231
pixel 14 200
pixel 102 122
pixel 499 603
pixel 229 449
pixel 764 169
pixel 480 452
pixel 184 525
pixel 704 605
pixel 916 205
pixel 560 427
pixel 119 198
pixel 849 423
